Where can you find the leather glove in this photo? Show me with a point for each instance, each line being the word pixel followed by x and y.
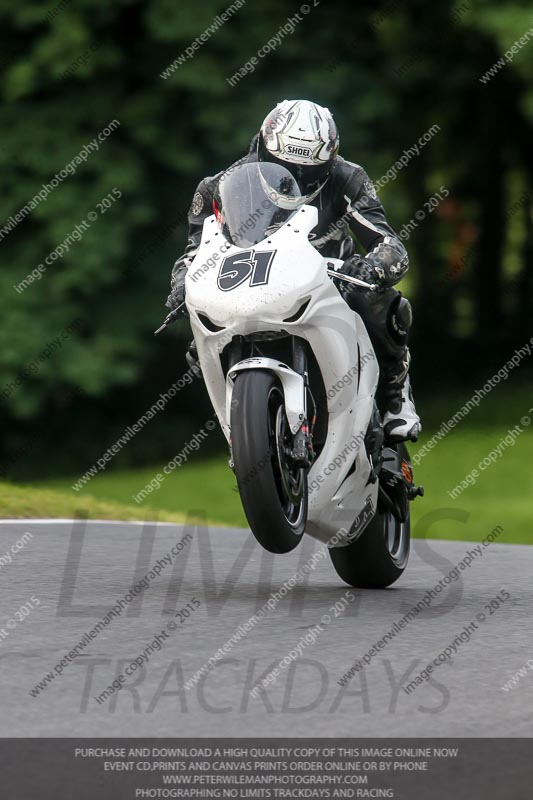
pixel 358 267
pixel 177 294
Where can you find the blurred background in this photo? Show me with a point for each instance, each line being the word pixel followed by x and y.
pixel 89 232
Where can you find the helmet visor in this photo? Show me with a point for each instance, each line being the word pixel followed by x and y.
pixel 310 177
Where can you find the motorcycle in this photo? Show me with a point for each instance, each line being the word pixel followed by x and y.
pixel 292 376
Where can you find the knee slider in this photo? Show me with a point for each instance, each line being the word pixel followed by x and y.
pixel 400 319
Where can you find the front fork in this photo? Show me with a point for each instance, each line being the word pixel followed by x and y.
pixel 302 450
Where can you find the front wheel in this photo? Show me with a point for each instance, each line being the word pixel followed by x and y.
pixel 273 489
pixel 379 556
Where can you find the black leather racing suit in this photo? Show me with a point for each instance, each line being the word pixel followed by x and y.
pixel 348 203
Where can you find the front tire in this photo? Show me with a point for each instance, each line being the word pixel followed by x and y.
pixel 273 490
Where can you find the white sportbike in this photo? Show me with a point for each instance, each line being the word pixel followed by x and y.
pixel 292 377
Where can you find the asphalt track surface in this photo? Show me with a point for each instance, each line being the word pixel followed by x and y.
pixel 77 573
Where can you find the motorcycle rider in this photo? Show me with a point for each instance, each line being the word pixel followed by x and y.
pixel 303 137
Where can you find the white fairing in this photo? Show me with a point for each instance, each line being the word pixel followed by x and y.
pixel 296 275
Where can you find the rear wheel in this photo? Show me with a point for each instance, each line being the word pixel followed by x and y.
pixel 273 489
pixel 379 556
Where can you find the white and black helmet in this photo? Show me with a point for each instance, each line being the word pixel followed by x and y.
pixel 302 137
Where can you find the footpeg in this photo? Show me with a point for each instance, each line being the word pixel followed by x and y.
pixel 415 491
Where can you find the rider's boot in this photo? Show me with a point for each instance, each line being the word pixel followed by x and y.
pixel 400 420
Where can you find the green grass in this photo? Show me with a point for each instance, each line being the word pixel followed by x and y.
pixel 199 486
pixel 503 495
pixel 33 502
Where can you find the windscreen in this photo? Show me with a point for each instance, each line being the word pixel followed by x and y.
pixel 254 200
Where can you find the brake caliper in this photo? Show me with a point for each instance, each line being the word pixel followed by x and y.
pixel 302 451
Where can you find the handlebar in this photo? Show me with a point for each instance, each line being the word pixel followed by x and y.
pixel 348 278
pixel 170 318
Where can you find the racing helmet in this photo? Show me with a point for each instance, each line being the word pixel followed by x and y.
pixel 302 137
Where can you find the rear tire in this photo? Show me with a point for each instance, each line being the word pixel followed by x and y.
pixel 380 555
pixel 273 492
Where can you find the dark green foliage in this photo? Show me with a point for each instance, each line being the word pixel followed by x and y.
pixel 388 72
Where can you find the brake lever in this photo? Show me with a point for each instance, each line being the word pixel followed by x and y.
pixel 172 317
pixel 348 279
